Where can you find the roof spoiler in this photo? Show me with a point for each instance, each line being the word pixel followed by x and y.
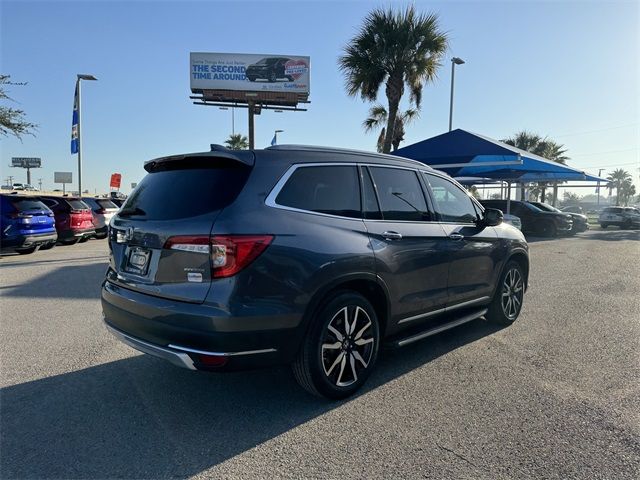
pixel 245 157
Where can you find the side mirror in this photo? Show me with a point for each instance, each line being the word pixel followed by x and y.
pixel 492 217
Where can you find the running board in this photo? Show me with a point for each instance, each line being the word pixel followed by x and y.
pixel 440 328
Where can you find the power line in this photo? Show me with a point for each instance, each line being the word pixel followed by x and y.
pixel 596 131
pixel 603 153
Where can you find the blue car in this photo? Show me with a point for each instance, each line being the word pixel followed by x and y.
pixel 26 224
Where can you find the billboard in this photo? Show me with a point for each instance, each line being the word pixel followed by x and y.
pixel 62 177
pixel 116 179
pixel 249 72
pixel 26 162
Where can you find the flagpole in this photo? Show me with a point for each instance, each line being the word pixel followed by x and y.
pixel 79 143
pixel 79 87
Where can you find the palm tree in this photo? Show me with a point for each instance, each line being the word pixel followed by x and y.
pixel 378 117
pixel 544 147
pixel 395 49
pixel 619 180
pixel 237 142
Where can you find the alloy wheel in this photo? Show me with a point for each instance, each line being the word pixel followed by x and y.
pixel 347 345
pixel 512 293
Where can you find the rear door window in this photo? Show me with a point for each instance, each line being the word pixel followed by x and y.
pixel 400 194
pixel 331 189
pixel 182 193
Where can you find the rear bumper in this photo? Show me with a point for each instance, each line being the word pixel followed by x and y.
pixel 67 234
pixel 27 241
pixel 183 332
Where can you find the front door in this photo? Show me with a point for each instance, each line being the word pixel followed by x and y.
pixel 472 248
pixel 407 242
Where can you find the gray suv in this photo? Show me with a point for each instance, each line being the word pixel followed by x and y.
pixel 311 256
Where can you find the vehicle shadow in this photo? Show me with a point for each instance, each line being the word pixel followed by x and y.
pixel 611 235
pixel 142 418
pixel 72 281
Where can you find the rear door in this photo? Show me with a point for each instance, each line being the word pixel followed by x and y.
pixel 473 249
pixel 159 239
pixel 406 240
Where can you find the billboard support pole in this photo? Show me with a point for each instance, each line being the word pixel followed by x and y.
pixel 28 176
pixel 251 126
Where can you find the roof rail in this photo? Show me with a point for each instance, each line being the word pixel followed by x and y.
pixel 316 148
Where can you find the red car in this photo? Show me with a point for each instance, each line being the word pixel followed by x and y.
pixel 74 221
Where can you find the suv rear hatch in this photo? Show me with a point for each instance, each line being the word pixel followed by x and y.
pixel 160 238
pixel 80 217
pixel 30 217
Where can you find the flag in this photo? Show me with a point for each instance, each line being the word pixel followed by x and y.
pixel 75 141
pixel 274 140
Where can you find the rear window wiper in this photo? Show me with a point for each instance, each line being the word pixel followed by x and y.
pixel 131 211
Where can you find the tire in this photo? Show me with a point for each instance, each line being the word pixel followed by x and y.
pixel 604 225
pixel 27 251
pixel 83 239
pixel 48 246
pixel 331 362
pixel 512 285
pixel 252 78
pixel 101 236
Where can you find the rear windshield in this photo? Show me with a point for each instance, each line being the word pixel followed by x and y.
pixel 171 194
pixel 77 205
pixel 24 204
pixel 106 204
pixel 613 210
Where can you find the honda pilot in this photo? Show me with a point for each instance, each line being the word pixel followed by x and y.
pixel 308 256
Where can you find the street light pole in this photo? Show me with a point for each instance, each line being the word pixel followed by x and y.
pixel 454 61
pixel 79 84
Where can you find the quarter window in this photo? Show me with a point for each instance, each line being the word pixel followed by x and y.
pixel 400 194
pixel 334 190
pixel 451 202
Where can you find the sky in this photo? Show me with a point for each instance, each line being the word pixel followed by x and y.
pixel 565 69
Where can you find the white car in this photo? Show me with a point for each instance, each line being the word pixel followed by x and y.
pixel 623 217
pixel 102 209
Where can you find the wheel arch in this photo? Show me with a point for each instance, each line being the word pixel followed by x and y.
pixel 368 285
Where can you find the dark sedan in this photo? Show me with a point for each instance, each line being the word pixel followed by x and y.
pixel 580 222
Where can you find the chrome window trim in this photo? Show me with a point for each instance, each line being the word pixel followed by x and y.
pixel 467 303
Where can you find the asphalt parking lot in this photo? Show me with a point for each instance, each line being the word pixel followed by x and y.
pixel 556 395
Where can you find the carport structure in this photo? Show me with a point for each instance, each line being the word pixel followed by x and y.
pixel 469 155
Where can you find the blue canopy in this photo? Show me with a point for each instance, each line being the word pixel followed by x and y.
pixel 464 154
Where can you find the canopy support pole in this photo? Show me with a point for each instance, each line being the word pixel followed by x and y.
pixel 508 198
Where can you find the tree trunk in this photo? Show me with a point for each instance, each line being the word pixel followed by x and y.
pixel 394 91
pixel 542 193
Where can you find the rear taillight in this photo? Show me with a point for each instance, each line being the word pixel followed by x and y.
pixel 20 215
pixel 229 253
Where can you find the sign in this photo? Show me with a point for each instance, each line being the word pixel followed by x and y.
pixel 62 177
pixel 249 72
pixel 116 179
pixel 26 162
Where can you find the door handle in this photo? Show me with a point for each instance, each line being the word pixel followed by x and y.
pixel 456 236
pixel 389 235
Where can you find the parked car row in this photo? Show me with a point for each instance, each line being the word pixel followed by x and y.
pixel 29 223
pixel 538 218
pixel 622 217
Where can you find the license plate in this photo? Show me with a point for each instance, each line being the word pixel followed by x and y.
pixel 138 261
